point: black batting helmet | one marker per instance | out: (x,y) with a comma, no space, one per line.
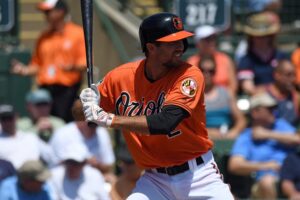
(162,27)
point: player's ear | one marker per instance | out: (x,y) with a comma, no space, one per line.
(150,47)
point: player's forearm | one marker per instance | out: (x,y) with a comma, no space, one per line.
(135,124)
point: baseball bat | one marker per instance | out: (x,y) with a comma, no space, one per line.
(87,22)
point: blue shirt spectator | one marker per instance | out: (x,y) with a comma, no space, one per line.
(252,67)
(263,150)
(255,68)
(30,183)
(6,169)
(243,6)
(11,190)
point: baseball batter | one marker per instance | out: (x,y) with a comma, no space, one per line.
(158,102)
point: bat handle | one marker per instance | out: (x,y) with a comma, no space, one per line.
(92,124)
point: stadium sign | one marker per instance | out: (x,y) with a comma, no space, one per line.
(7,15)
(195,13)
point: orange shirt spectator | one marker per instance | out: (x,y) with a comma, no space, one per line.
(223,67)
(58,59)
(56,53)
(205,41)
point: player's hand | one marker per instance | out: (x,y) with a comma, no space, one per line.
(94,113)
(90,95)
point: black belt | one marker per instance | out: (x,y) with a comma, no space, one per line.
(178,168)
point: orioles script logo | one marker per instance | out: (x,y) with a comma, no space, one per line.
(126,107)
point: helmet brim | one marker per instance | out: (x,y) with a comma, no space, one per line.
(175,36)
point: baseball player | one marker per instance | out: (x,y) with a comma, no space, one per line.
(158,102)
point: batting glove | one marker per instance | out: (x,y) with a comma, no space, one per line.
(94,113)
(90,95)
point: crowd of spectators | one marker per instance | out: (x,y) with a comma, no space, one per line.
(50,155)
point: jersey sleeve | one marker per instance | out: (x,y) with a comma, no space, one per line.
(187,91)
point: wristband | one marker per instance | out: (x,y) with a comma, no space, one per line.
(110,119)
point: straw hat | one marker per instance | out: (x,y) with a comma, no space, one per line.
(262,24)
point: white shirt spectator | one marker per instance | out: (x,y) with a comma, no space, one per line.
(22,147)
(99,145)
(90,186)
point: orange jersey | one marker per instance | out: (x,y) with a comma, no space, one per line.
(126,91)
(55,51)
(223,64)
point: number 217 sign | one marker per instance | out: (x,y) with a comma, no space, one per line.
(195,13)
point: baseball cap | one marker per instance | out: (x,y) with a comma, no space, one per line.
(262,24)
(77,152)
(6,110)
(52,4)
(262,99)
(34,170)
(204,31)
(38,96)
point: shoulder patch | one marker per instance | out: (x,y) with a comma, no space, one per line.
(189,87)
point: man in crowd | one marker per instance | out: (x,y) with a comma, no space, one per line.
(75,179)
(58,59)
(261,149)
(30,183)
(17,146)
(39,121)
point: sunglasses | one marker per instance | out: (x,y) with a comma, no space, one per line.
(6,118)
(210,38)
(42,104)
(208,71)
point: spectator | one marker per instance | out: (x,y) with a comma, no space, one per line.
(262,148)
(223,118)
(130,173)
(290,176)
(283,90)
(29,184)
(249,6)
(75,179)
(17,146)
(6,169)
(58,59)
(205,40)
(296,61)
(255,69)
(96,139)
(40,122)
